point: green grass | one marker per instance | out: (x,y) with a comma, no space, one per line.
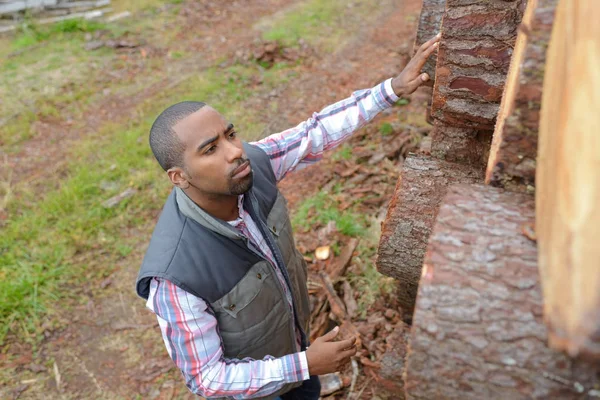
(315,21)
(30,34)
(386,129)
(322,208)
(49,244)
(344,153)
(46,71)
(368,281)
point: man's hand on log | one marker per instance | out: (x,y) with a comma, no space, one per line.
(325,356)
(411,77)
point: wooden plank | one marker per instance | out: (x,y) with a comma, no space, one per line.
(478,330)
(81,4)
(568,180)
(93,14)
(20,5)
(512,160)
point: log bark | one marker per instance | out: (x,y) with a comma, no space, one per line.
(568,181)
(461,145)
(410,218)
(473,61)
(478,331)
(513,155)
(430,23)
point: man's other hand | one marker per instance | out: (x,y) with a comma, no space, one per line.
(411,77)
(325,356)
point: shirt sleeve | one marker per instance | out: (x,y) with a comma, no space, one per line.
(190,334)
(304,144)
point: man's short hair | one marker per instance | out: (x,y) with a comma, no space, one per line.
(165,145)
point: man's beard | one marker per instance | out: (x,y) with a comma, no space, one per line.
(241,186)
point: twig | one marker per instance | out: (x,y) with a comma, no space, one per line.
(339,269)
(364,387)
(336,304)
(56,375)
(355,373)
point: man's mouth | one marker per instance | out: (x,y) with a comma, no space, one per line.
(241,171)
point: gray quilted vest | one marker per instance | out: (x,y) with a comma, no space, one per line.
(211,260)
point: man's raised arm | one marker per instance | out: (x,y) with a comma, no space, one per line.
(304,144)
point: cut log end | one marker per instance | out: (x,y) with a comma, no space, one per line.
(411,216)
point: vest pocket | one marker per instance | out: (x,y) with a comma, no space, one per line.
(249,287)
(254,318)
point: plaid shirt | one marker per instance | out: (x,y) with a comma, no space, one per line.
(189,328)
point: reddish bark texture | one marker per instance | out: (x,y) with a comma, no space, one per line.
(514,152)
(429,26)
(410,218)
(478,330)
(472,64)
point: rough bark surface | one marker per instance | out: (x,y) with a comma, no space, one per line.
(478,331)
(410,218)
(461,145)
(568,181)
(474,56)
(393,362)
(429,25)
(512,160)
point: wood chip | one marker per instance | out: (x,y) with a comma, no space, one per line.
(340,265)
(351,305)
(368,363)
(322,253)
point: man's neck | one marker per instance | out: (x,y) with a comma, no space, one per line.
(224,207)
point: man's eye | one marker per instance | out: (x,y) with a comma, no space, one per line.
(232,134)
(210,150)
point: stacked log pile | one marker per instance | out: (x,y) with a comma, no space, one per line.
(466,69)
(13,12)
(502,286)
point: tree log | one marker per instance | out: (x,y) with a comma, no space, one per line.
(410,218)
(461,145)
(474,56)
(478,331)
(430,22)
(513,155)
(568,181)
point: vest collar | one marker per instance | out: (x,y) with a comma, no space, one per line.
(192,211)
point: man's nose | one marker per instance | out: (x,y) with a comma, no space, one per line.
(234,152)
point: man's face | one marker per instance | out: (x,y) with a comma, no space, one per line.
(214,160)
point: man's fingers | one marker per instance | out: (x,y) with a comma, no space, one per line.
(329,336)
(422,57)
(418,81)
(428,44)
(346,344)
(348,353)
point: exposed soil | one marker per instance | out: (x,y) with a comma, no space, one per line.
(112,347)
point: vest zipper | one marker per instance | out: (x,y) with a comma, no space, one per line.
(279,259)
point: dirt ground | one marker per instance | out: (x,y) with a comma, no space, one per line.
(111,347)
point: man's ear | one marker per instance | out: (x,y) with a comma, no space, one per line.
(178,177)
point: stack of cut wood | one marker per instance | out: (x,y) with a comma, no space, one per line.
(51,11)
(502,286)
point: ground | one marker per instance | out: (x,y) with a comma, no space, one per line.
(76,104)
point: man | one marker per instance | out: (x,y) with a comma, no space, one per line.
(222,272)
